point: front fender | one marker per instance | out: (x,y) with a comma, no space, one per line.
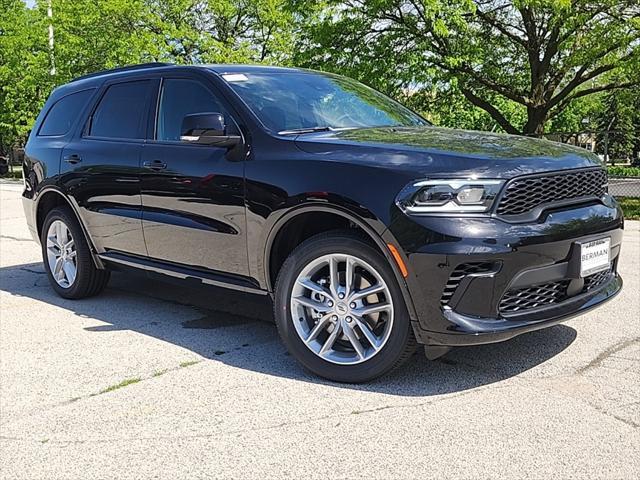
(369,224)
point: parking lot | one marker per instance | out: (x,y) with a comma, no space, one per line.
(159,380)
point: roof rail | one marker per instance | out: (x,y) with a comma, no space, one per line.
(140,66)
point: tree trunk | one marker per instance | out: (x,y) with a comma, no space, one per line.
(536,119)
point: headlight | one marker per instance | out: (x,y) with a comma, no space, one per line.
(456,196)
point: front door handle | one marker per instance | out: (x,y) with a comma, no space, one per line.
(73,158)
(156,165)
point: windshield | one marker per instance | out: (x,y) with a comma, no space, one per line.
(307,101)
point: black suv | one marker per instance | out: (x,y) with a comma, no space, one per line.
(372,230)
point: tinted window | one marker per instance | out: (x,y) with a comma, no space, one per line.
(120,113)
(285,101)
(64,113)
(182,97)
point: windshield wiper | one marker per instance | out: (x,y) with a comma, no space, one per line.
(305,130)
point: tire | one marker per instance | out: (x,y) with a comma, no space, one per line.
(393,335)
(88,279)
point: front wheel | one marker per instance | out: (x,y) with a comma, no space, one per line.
(340,311)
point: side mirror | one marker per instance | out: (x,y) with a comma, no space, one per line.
(206,129)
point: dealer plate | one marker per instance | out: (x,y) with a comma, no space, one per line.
(595,256)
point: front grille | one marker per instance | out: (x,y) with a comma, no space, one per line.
(459,273)
(534,296)
(547,293)
(525,194)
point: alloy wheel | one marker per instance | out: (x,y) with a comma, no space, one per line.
(342,309)
(61,254)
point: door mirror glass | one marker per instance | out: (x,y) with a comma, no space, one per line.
(206,129)
(195,126)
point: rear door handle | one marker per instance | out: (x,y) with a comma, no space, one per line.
(155,165)
(73,158)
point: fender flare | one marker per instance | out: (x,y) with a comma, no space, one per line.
(367,228)
(74,208)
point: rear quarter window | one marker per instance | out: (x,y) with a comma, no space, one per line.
(64,113)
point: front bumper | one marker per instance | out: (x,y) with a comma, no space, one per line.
(474,331)
(465,272)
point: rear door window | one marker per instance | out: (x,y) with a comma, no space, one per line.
(64,113)
(121,112)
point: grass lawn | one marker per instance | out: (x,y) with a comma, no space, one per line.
(630,207)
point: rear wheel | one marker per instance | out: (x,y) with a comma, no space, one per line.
(340,311)
(67,257)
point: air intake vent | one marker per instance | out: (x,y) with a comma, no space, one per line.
(595,280)
(550,293)
(535,296)
(459,273)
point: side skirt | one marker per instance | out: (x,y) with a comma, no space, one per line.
(182,272)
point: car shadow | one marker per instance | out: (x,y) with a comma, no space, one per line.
(237,329)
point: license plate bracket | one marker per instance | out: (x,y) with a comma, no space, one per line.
(595,256)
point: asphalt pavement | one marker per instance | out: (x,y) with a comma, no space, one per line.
(157,380)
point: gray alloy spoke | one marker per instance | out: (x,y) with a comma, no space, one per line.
(61,233)
(348,274)
(53,240)
(69,271)
(370,309)
(58,267)
(318,327)
(334,279)
(366,331)
(328,312)
(308,302)
(365,292)
(357,346)
(58,233)
(314,287)
(331,340)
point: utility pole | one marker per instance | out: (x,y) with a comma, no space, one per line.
(606,140)
(51,51)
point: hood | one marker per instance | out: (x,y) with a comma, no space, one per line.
(438,152)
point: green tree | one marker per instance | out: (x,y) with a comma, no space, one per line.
(579,116)
(615,126)
(24,82)
(92,35)
(224,30)
(635,154)
(528,57)
(444,104)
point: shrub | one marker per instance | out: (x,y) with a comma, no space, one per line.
(617,171)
